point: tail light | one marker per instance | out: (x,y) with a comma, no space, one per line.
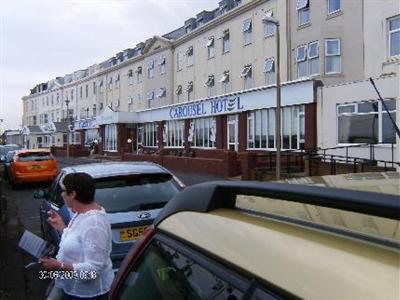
(130,260)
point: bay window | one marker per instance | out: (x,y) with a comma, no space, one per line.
(173,134)
(366,122)
(202,132)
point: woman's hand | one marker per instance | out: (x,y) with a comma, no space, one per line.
(55,221)
(50,264)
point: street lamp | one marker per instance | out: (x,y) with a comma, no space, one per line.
(278,97)
(67,119)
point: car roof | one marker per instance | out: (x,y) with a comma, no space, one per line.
(32,150)
(106,169)
(271,231)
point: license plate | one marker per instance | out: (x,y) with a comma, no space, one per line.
(131,234)
(36,167)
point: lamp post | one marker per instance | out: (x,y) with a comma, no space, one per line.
(278,97)
(67,119)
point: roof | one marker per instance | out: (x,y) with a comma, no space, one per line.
(34,129)
(61,126)
(331,237)
(105,169)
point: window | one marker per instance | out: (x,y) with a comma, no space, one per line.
(58,98)
(210,84)
(150,69)
(261,128)
(301,59)
(110,83)
(162,65)
(110,137)
(178,92)
(94,110)
(87,91)
(366,122)
(333,6)
(149,138)
(269,70)
(162,93)
(225,41)
(394,36)
(247,31)
(313,58)
(303,10)
(130,77)
(94,88)
(101,87)
(189,90)
(225,80)
(203,132)
(117,81)
(332,56)
(247,76)
(189,56)
(72,95)
(174,272)
(91,135)
(130,104)
(150,97)
(139,74)
(179,61)
(80,92)
(269,28)
(210,47)
(173,134)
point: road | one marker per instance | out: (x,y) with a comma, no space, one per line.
(23,213)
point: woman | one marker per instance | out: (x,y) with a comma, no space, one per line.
(82,268)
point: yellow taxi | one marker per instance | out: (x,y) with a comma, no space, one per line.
(32,166)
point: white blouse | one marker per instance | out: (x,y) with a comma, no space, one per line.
(86,244)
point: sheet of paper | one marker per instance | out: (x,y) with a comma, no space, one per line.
(34,245)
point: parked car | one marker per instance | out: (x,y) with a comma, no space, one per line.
(5,148)
(132,193)
(32,166)
(7,164)
(253,240)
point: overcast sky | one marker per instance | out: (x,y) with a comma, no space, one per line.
(43,39)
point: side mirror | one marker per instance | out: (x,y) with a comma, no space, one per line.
(40,194)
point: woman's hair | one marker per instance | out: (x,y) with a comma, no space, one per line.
(82,184)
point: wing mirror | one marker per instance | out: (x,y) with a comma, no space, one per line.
(40,194)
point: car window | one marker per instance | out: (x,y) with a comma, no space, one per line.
(54,194)
(135,192)
(34,156)
(173,275)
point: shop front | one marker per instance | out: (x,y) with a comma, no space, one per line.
(220,135)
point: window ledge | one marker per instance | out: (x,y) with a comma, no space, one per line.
(269,36)
(210,58)
(244,45)
(334,15)
(392,60)
(300,27)
(226,52)
(333,75)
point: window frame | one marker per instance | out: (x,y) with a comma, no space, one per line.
(174,133)
(247,33)
(380,113)
(226,42)
(390,32)
(210,48)
(334,11)
(313,58)
(301,10)
(339,54)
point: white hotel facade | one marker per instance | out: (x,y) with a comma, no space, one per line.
(207,90)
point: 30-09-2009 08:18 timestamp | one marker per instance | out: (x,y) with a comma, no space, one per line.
(85,275)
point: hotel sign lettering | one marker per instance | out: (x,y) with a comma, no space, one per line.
(206,108)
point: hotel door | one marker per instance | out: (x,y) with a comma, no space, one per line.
(232,132)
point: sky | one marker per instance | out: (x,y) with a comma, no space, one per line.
(44,39)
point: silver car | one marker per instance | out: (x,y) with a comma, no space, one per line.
(132,193)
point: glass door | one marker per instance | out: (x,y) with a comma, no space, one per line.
(232,132)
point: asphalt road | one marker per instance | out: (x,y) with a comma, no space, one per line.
(23,213)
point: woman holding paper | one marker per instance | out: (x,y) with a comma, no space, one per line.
(82,268)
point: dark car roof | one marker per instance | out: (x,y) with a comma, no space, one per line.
(106,169)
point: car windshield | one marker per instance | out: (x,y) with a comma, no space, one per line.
(134,192)
(34,156)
